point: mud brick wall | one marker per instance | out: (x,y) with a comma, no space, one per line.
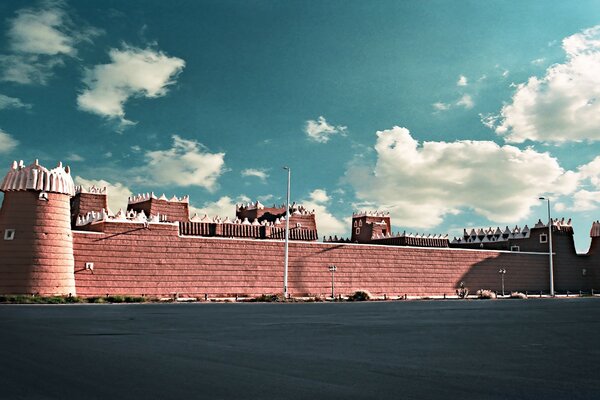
(83,203)
(131,259)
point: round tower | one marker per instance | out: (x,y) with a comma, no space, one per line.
(36,246)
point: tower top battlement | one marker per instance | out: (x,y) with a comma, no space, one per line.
(38,178)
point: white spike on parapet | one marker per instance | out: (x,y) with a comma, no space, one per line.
(92,190)
(36,177)
(376,213)
(147,196)
(91,217)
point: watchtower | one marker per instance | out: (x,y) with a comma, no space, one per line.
(36,246)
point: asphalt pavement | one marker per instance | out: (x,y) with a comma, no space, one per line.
(474,349)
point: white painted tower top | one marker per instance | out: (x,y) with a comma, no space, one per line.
(39,178)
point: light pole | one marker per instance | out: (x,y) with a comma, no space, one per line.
(332,268)
(287,234)
(550,246)
(502,272)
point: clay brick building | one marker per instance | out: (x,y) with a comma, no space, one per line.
(60,239)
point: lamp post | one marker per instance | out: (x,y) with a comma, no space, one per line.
(287,234)
(550,246)
(502,272)
(332,268)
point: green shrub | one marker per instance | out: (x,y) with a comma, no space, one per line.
(360,295)
(269,298)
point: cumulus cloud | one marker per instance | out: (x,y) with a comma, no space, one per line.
(186,163)
(117,192)
(258,173)
(421,183)
(439,106)
(223,207)
(132,72)
(327,223)
(74,157)
(562,105)
(39,39)
(12,102)
(466,101)
(41,31)
(7,142)
(320,131)
(462,81)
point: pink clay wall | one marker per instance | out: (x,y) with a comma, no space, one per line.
(129,259)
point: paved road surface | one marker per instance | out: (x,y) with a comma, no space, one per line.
(510,349)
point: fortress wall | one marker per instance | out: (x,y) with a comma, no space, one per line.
(574,272)
(83,203)
(129,259)
(174,210)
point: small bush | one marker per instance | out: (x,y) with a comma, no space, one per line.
(518,295)
(95,299)
(485,294)
(269,298)
(360,295)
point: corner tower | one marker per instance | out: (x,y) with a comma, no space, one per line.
(36,246)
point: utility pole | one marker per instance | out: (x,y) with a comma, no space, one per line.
(287,234)
(550,247)
(332,268)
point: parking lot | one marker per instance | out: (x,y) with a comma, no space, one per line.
(526,349)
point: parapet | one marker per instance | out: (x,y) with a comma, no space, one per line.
(173,209)
(142,197)
(38,178)
(128,216)
(370,214)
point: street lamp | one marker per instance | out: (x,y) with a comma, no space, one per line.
(287,234)
(550,246)
(332,268)
(502,272)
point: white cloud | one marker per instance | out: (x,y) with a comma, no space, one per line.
(41,31)
(421,183)
(12,102)
(7,142)
(439,106)
(39,39)
(584,200)
(465,101)
(223,207)
(462,81)
(320,131)
(27,69)
(538,61)
(74,157)
(505,73)
(187,163)
(258,173)
(117,192)
(562,105)
(327,223)
(132,72)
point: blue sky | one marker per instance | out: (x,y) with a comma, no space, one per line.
(448,114)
